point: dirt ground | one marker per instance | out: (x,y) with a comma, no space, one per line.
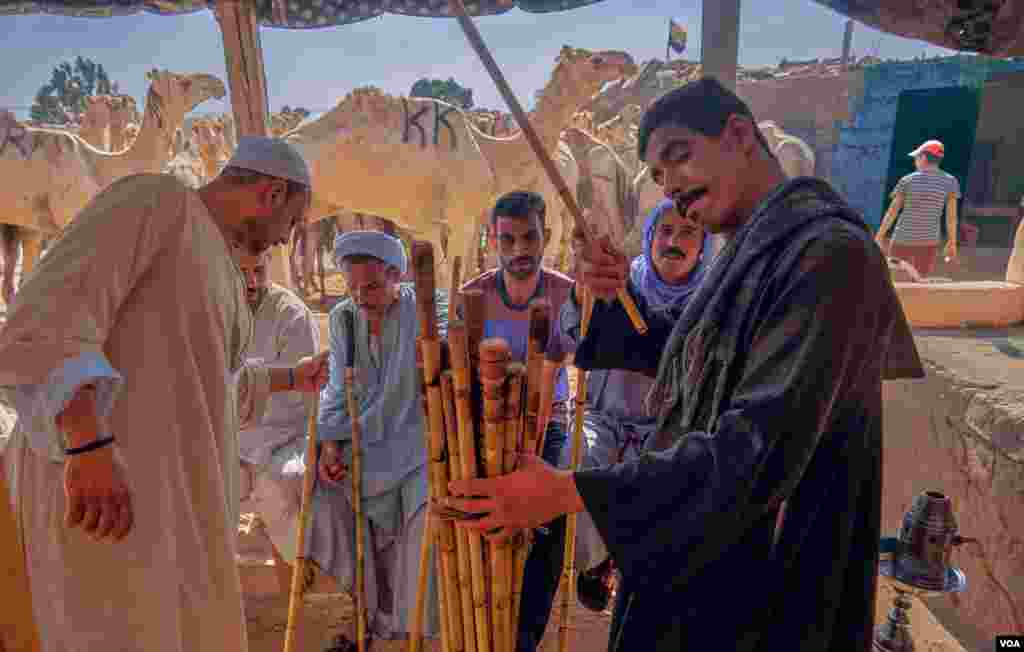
(322,618)
(326,614)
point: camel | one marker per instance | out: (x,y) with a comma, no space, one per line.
(106,121)
(795,156)
(604,178)
(50,175)
(423,164)
(284,121)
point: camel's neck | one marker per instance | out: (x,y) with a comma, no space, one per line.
(559,101)
(152,147)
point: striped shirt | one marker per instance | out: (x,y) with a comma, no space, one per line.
(924,201)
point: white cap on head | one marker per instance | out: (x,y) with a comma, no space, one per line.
(377,244)
(271,156)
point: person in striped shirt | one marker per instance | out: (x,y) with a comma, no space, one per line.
(918,201)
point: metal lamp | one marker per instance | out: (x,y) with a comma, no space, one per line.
(916,562)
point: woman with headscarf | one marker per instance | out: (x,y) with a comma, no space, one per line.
(677,253)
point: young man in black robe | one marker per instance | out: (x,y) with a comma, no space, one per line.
(768,392)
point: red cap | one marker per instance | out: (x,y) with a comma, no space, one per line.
(933,147)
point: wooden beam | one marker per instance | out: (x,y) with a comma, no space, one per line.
(720,39)
(247,81)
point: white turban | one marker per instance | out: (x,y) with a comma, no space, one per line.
(271,156)
(380,245)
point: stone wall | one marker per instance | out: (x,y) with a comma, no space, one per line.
(860,161)
(807,107)
(960,431)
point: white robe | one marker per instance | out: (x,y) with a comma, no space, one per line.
(143,280)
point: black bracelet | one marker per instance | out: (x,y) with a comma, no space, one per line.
(91,446)
(291,378)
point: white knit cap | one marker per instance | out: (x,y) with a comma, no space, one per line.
(271,156)
(378,244)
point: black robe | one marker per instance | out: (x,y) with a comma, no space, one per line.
(776,395)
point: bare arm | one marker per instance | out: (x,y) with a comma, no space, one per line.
(890,216)
(79,421)
(951,221)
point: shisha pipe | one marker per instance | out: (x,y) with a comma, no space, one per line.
(475,40)
(916,562)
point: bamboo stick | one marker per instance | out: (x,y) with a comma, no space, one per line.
(513,446)
(457,341)
(356,475)
(474,304)
(429,359)
(477,42)
(540,325)
(299,569)
(494,358)
(568,583)
(357,500)
(453,293)
(465,578)
(418,614)
(18,628)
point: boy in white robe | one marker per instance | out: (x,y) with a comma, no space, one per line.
(135,327)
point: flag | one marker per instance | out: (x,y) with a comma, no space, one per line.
(676,36)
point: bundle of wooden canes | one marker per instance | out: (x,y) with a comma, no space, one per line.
(482,412)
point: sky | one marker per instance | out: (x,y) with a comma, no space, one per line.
(316,68)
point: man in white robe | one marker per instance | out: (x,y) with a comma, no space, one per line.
(273,450)
(379,322)
(135,327)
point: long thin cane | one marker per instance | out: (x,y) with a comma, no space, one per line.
(301,562)
(569,565)
(18,629)
(356,473)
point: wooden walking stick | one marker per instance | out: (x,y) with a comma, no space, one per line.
(356,473)
(569,565)
(475,40)
(301,562)
(18,629)
(443,533)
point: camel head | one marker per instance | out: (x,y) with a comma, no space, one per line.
(172,96)
(592,70)
(582,120)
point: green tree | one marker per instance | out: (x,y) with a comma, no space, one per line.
(62,99)
(448,90)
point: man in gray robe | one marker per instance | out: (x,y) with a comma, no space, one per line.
(382,337)
(677,253)
(768,390)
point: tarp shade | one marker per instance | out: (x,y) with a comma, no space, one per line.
(983,26)
(289,14)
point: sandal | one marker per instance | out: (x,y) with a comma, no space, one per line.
(342,643)
(593,587)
